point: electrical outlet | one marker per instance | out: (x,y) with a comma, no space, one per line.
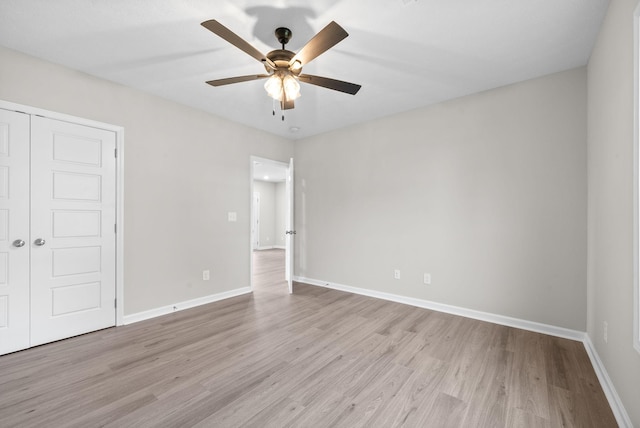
(206,275)
(605,328)
(427,278)
(396,273)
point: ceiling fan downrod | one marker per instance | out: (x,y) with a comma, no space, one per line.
(283,35)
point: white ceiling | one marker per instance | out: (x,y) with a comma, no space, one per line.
(405,53)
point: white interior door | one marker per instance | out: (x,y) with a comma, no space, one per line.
(73,186)
(290,229)
(14,231)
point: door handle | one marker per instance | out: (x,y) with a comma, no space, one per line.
(39,242)
(18,243)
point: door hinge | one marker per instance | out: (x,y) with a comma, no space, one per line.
(115,152)
(115,303)
(115,228)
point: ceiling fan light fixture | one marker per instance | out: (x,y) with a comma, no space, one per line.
(281,86)
(273,86)
(291,87)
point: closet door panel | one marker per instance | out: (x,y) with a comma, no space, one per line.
(14,230)
(72,227)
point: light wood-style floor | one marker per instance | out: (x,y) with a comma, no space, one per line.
(316,358)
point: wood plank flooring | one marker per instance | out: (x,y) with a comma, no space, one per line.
(317,358)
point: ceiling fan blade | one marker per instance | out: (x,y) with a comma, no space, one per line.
(220,30)
(238,79)
(325,82)
(328,37)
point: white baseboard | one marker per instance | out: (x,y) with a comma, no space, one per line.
(454,310)
(164,310)
(605,381)
(622,417)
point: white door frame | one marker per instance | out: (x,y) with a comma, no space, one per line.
(253,159)
(290,225)
(255,221)
(119,131)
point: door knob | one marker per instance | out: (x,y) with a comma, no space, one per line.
(39,242)
(18,243)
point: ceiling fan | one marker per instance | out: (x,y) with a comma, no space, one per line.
(283,67)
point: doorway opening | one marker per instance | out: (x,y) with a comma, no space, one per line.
(271,220)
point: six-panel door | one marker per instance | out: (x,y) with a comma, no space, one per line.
(57,237)
(14,231)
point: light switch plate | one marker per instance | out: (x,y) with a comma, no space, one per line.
(232,216)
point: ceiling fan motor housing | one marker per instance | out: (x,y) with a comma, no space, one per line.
(282,59)
(283,35)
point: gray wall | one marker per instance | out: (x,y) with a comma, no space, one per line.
(487,193)
(267,191)
(610,148)
(184,170)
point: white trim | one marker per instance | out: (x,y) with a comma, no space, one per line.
(636,177)
(607,386)
(120,227)
(58,116)
(187,304)
(454,310)
(620,413)
(119,131)
(255,219)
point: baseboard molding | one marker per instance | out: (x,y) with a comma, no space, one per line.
(454,310)
(622,417)
(187,304)
(617,407)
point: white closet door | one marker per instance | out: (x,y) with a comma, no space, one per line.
(73,184)
(14,229)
